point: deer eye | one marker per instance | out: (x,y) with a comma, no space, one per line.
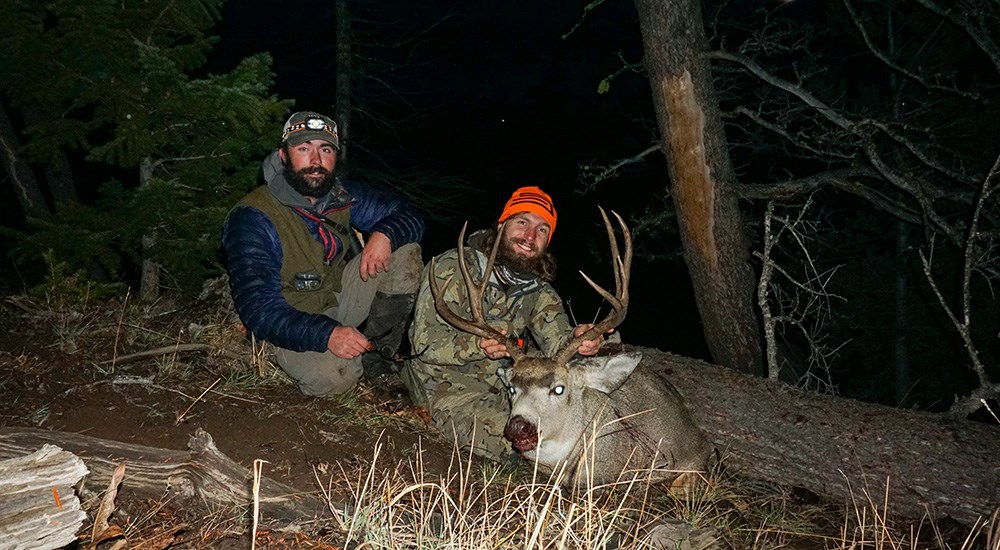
(558,390)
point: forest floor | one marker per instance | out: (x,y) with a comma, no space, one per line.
(68,369)
(109,367)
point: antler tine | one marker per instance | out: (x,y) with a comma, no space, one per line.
(477,325)
(476,306)
(626,264)
(619,302)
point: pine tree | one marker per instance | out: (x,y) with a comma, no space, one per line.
(124,83)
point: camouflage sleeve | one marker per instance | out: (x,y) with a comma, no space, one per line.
(550,325)
(432,337)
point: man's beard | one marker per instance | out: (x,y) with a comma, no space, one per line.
(308,188)
(517,263)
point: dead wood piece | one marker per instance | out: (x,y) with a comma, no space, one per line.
(841,448)
(170,350)
(202,477)
(102,529)
(39,507)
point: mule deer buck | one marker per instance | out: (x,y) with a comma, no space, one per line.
(600,418)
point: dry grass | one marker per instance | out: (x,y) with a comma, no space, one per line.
(485,507)
(472,506)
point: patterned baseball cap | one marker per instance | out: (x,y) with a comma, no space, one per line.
(306,126)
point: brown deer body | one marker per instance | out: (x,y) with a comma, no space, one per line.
(597,419)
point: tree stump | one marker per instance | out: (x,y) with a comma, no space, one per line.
(39,507)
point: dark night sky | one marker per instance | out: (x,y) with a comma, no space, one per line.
(510,103)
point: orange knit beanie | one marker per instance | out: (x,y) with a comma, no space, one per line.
(534,200)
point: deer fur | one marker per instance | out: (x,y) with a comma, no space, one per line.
(599,420)
(596,419)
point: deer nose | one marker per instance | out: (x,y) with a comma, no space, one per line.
(522,434)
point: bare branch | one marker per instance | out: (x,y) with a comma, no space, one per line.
(781,131)
(828,112)
(962,320)
(863,131)
(592,173)
(885,59)
(979,33)
(800,301)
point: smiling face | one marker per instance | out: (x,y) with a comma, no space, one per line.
(526,235)
(309,166)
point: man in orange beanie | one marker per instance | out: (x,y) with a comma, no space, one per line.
(454,374)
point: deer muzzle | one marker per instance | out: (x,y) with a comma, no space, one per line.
(521,433)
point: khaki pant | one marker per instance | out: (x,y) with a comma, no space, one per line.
(323,373)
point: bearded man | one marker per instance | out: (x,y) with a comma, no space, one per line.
(299,277)
(454,374)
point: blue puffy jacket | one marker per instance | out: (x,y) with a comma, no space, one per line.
(254,256)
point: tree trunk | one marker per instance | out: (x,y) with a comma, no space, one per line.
(58,175)
(29,194)
(840,448)
(342,108)
(702,180)
(149,281)
(900,321)
(203,475)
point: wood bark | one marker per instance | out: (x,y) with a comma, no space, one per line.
(345,55)
(39,507)
(841,448)
(702,180)
(19,173)
(58,174)
(201,477)
(149,280)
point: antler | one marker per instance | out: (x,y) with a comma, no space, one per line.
(619,302)
(477,325)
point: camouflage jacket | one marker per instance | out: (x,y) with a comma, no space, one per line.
(532,309)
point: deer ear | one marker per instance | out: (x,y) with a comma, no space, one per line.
(606,373)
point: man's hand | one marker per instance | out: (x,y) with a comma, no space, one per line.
(588,347)
(348,343)
(494,349)
(375,256)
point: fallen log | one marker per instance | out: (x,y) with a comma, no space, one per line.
(201,477)
(39,507)
(841,448)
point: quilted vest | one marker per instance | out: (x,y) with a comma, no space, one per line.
(308,282)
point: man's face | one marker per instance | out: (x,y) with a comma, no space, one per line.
(525,237)
(309,167)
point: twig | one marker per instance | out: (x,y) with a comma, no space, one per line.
(181,416)
(118,330)
(258,467)
(168,350)
(990,409)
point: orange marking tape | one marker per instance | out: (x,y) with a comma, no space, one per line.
(55,493)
